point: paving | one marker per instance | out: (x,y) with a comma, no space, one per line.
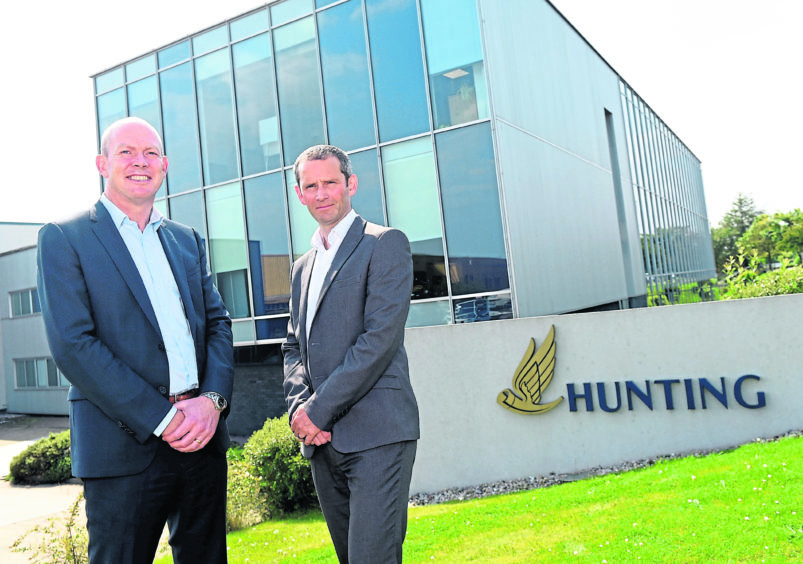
(24,507)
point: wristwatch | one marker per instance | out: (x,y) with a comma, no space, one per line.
(219,401)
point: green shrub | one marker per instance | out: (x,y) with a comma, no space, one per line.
(245,505)
(285,478)
(46,461)
(63,539)
(747,279)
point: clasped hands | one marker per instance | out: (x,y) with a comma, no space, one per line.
(193,425)
(306,431)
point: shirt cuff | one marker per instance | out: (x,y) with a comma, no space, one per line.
(165,422)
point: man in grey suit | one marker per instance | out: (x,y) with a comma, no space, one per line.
(137,327)
(346,378)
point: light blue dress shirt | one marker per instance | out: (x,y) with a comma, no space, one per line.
(148,254)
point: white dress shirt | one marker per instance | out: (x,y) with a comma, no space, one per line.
(323,261)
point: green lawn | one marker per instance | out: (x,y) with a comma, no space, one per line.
(743,505)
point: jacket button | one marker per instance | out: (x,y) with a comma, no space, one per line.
(162,347)
(163,390)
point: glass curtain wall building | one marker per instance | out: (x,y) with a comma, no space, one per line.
(452,134)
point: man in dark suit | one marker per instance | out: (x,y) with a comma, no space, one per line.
(346,378)
(137,327)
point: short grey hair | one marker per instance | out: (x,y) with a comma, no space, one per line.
(321,153)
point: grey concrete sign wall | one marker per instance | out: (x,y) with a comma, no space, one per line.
(634,384)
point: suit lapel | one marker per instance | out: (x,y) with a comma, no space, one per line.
(173,253)
(112,241)
(350,242)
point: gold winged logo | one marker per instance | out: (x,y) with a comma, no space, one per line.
(533,375)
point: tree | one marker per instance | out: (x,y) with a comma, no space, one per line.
(774,237)
(735,224)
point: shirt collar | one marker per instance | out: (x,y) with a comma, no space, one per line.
(119,217)
(336,235)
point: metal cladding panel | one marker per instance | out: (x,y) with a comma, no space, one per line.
(549,100)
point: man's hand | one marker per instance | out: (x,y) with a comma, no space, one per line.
(193,426)
(306,431)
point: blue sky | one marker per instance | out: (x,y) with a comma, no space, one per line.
(722,74)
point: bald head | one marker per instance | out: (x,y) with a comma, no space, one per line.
(108,134)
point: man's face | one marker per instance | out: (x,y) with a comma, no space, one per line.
(134,167)
(325,191)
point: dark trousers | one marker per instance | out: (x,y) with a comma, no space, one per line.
(363,496)
(126,515)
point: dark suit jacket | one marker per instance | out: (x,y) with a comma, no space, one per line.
(351,371)
(104,337)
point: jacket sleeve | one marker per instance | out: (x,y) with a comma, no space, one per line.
(296,382)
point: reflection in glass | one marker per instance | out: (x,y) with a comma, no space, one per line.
(401,99)
(108,80)
(471,212)
(242,331)
(273,328)
(180,131)
(111,107)
(302,224)
(143,102)
(249,25)
(256,105)
(174,54)
(288,10)
(216,113)
(368,200)
(299,87)
(483,308)
(412,201)
(227,248)
(140,68)
(454,60)
(268,247)
(425,314)
(189,210)
(209,40)
(346,81)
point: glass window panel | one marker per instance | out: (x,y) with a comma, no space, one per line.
(52,374)
(302,224)
(143,102)
(109,80)
(243,331)
(62,380)
(346,81)
(37,307)
(256,105)
(249,25)
(111,107)
(323,3)
(227,248)
(424,314)
(399,87)
(471,212)
(268,247)
(289,10)
(189,210)
(275,328)
(180,129)
(299,88)
(216,113)
(19,370)
(412,201)
(16,304)
(174,54)
(209,40)
(454,61)
(368,200)
(140,68)
(483,308)
(30,374)
(41,372)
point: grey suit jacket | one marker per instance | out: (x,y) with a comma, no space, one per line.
(104,337)
(351,372)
